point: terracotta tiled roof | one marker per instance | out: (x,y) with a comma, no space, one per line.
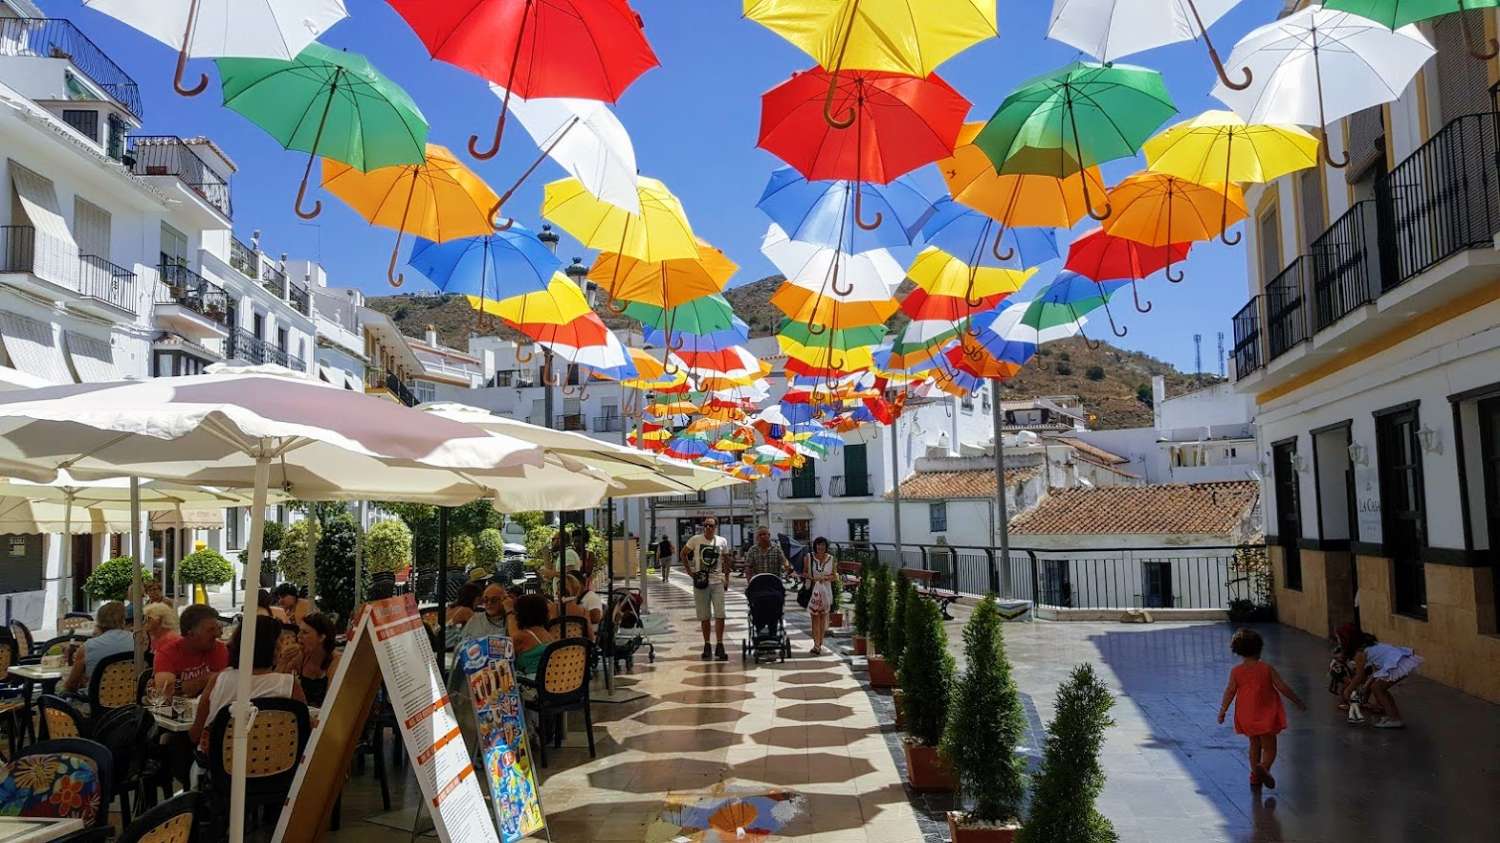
(1092,452)
(943,485)
(1206,508)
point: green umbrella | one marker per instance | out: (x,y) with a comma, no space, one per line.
(1080,116)
(705,315)
(843,339)
(328,103)
(1398,13)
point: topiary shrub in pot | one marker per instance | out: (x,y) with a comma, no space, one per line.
(895,642)
(882,675)
(861,608)
(336,544)
(388,547)
(489,549)
(1062,802)
(927,677)
(299,553)
(204,567)
(985,724)
(112,579)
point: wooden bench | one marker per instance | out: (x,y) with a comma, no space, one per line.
(849,576)
(927,586)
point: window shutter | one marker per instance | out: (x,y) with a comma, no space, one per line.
(1366,144)
(91,228)
(1314,210)
(1463,82)
(1268,239)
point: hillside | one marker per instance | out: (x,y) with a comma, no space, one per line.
(1119,397)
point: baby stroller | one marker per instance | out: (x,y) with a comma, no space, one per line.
(768,640)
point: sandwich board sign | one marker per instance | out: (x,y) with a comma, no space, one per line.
(389,641)
(489,665)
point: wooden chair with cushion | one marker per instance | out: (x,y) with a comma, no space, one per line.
(24,642)
(53,647)
(169,822)
(60,719)
(112,686)
(15,705)
(561,685)
(67,778)
(277,738)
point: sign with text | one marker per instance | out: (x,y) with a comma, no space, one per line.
(489,665)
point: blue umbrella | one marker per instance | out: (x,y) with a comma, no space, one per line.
(493,266)
(970,236)
(685,341)
(822,212)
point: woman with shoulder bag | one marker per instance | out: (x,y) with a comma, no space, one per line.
(821,572)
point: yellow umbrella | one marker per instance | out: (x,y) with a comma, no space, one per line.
(1220,147)
(666,283)
(439,199)
(660,232)
(828,357)
(1015,199)
(827,310)
(559,304)
(941,274)
(910,37)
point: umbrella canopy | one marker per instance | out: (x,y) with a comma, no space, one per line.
(327,103)
(822,212)
(700,316)
(667,283)
(273,29)
(827,287)
(1011,335)
(539,48)
(1015,199)
(903,36)
(982,241)
(1219,146)
(493,266)
(559,304)
(942,274)
(1101,256)
(1069,296)
(660,232)
(1158,209)
(1317,65)
(439,199)
(585,138)
(1109,29)
(737,334)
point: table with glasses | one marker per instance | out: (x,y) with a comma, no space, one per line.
(28,830)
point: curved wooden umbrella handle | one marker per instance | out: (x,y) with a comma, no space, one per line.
(1491,49)
(1175,279)
(317,207)
(495,212)
(859,213)
(844,120)
(1135,291)
(816,329)
(995,248)
(1213,55)
(1322,118)
(549,376)
(390,271)
(1119,330)
(833,282)
(530,356)
(616,306)
(494,149)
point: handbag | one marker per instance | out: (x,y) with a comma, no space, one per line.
(804,593)
(700,579)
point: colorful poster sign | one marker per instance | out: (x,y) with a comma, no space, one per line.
(489,665)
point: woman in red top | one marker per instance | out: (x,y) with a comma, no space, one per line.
(1256,689)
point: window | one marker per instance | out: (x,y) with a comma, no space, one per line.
(1156,584)
(859,529)
(174,246)
(1403,506)
(115,142)
(232,528)
(258,326)
(1314,216)
(91,228)
(505,378)
(1057,583)
(856,471)
(937,517)
(281,337)
(85,121)
(425,391)
(1288,510)
(1268,240)
(802,529)
(1489,455)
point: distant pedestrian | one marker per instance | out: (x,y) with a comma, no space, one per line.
(822,571)
(1256,689)
(664,556)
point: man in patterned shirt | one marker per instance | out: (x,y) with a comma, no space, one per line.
(765,557)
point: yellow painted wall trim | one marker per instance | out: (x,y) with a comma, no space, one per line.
(1401,333)
(1422,120)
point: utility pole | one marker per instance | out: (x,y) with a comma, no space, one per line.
(1198,358)
(896,483)
(550,239)
(998,421)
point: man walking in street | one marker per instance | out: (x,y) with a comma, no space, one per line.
(765,557)
(706,557)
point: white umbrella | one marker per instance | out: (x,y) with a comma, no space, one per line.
(244,430)
(268,29)
(585,138)
(1315,66)
(867,276)
(1109,29)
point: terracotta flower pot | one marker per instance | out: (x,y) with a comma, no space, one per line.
(899,698)
(960,833)
(835,620)
(881,673)
(926,770)
(859,645)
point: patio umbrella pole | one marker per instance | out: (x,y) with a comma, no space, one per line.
(63,599)
(896,485)
(442,589)
(137,586)
(243,713)
(359,555)
(1004,517)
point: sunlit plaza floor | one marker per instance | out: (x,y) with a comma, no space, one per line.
(805,749)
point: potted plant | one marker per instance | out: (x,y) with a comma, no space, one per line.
(299,547)
(202,568)
(337,540)
(862,608)
(882,674)
(489,549)
(895,643)
(835,611)
(388,547)
(112,579)
(270,546)
(927,676)
(985,724)
(461,553)
(1062,803)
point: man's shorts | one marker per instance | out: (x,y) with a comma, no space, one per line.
(710,601)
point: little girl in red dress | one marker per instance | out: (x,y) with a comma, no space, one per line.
(1256,689)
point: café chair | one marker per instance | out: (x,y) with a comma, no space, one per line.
(81,623)
(15,706)
(53,647)
(65,778)
(127,731)
(277,737)
(24,642)
(561,685)
(112,686)
(61,719)
(170,822)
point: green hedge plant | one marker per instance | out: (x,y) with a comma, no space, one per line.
(205,567)
(986,724)
(297,559)
(895,637)
(335,565)
(879,604)
(112,579)
(1062,803)
(862,599)
(489,549)
(926,673)
(388,547)
(461,553)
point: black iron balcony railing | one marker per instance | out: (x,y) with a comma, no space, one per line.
(381,379)
(182,286)
(246,346)
(55,38)
(609,424)
(273,278)
(1247,356)
(1286,307)
(571,421)
(300,299)
(244,259)
(799,487)
(169,155)
(850,486)
(106,282)
(1344,259)
(692,499)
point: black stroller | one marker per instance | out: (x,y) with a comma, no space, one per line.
(768,640)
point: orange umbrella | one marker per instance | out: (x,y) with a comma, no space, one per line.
(1155,209)
(1015,200)
(665,284)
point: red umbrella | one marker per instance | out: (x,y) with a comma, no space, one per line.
(1101,256)
(920,304)
(592,49)
(898,123)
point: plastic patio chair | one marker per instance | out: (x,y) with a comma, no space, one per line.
(63,778)
(561,685)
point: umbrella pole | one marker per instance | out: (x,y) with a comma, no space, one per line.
(182,56)
(505,197)
(390,272)
(242,712)
(359,555)
(896,484)
(136,577)
(510,82)
(997,419)
(609,561)
(63,600)
(442,589)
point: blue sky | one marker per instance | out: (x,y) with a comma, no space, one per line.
(694,121)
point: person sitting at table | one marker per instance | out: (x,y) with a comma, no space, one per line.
(531,635)
(265,681)
(110,638)
(494,620)
(289,599)
(154,593)
(266,607)
(160,626)
(581,601)
(183,666)
(314,658)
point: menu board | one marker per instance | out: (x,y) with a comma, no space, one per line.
(489,665)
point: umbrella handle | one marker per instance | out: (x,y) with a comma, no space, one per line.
(495,212)
(816,329)
(616,306)
(678,342)
(843,121)
(1135,291)
(1224,237)
(530,356)
(549,376)
(494,149)
(859,213)
(1119,330)
(833,282)
(317,207)
(1175,279)
(1213,55)
(396,279)
(1322,119)
(182,57)
(995,247)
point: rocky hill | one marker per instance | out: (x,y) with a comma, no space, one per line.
(1113,383)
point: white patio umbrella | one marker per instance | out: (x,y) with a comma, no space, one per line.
(868,276)
(585,138)
(268,29)
(1109,29)
(1315,66)
(258,430)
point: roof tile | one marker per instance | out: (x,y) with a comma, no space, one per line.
(1206,508)
(943,485)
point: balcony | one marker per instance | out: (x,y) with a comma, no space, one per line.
(609,424)
(190,304)
(693,499)
(243,345)
(793,488)
(106,283)
(244,259)
(97,283)
(168,155)
(54,38)
(1427,239)
(274,280)
(381,382)
(300,299)
(571,421)
(847,486)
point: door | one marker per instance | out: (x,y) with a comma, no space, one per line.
(173,246)
(1352,505)
(1057,584)
(1288,511)
(83,565)
(259,326)
(1157,585)
(856,472)
(1489,454)
(1403,507)
(805,480)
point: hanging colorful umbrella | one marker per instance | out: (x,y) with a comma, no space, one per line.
(1395,14)
(1021,199)
(535,48)
(1082,115)
(1109,29)
(700,316)
(942,274)
(984,242)
(822,212)
(1070,296)
(561,303)
(737,334)
(1013,334)
(439,199)
(829,287)
(490,267)
(204,29)
(1156,209)
(1102,257)
(660,232)
(845,349)
(362,118)
(661,284)
(1317,65)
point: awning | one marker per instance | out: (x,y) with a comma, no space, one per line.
(187,519)
(32,348)
(354,382)
(93,359)
(54,251)
(328,374)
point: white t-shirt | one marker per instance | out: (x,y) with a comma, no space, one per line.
(706,554)
(591,602)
